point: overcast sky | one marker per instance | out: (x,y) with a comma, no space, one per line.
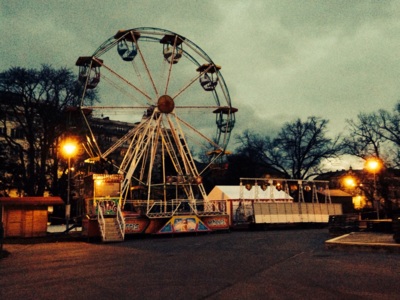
(280,59)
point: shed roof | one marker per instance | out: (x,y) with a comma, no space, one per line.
(335,193)
(31,201)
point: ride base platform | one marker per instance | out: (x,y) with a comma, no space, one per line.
(136,224)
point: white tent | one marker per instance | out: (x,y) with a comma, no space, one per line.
(268,207)
(233,192)
(238,201)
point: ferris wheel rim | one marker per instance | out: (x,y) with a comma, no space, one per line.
(157,149)
(155,30)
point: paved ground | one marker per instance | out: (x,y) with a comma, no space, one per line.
(280,264)
(365,241)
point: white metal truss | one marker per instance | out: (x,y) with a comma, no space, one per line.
(298,185)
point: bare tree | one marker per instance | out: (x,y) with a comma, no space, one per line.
(363,141)
(375,134)
(32,119)
(389,125)
(298,149)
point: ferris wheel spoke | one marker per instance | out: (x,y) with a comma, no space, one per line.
(131,94)
(168,77)
(205,138)
(139,76)
(193,80)
(184,88)
(124,80)
(128,53)
(149,74)
(171,62)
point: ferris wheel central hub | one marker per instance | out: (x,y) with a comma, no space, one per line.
(165,104)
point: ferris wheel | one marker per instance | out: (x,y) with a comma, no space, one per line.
(180,104)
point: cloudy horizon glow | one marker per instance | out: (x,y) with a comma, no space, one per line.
(281,60)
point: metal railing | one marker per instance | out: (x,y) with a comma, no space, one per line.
(121,222)
(102,222)
(161,209)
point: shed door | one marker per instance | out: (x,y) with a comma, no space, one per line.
(28,223)
(13,222)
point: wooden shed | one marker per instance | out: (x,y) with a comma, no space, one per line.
(339,196)
(26,216)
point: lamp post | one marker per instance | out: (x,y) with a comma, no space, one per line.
(69,150)
(374,165)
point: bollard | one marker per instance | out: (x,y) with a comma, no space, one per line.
(1,239)
(396,227)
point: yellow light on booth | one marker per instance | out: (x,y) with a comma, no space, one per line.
(359,202)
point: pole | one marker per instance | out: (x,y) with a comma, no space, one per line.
(67,207)
(376,198)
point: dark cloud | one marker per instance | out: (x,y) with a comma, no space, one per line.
(280,59)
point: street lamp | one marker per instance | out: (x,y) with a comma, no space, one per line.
(349,182)
(373,165)
(69,149)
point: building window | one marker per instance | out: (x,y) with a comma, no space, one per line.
(17,133)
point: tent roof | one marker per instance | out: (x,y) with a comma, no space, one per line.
(224,192)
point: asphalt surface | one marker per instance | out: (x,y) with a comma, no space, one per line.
(365,241)
(276,264)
